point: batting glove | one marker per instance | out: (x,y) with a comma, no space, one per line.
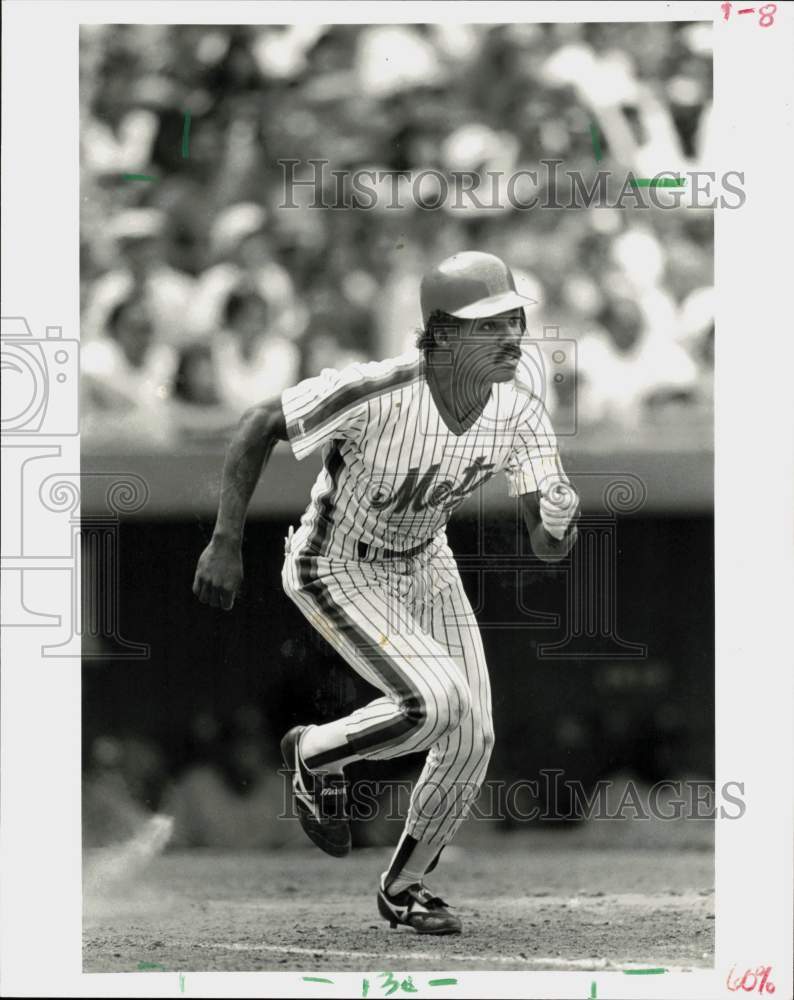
(558,507)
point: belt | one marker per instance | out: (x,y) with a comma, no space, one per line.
(371,552)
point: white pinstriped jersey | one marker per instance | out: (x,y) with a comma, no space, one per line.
(393,472)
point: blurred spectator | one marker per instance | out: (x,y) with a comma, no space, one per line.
(240,247)
(196,407)
(623,367)
(196,381)
(126,378)
(697,335)
(235,799)
(340,332)
(140,270)
(391,58)
(252,361)
(119,133)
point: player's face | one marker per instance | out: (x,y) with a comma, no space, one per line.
(493,344)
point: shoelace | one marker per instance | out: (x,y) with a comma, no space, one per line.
(427,899)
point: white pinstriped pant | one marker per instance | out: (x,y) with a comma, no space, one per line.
(407,627)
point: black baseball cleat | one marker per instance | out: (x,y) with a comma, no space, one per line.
(320,800)
(418,908)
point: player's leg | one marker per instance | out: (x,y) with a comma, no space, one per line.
(456,765)
(425,694)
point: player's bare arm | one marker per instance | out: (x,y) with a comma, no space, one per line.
(551,521)
(219,573)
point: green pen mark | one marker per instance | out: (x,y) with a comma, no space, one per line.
(643,972)
(593,991)
(186,136)
(315,979)
(138,177)
(442,982)
(658,182)
(142,966)
(596,140)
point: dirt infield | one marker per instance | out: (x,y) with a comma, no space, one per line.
(527,902)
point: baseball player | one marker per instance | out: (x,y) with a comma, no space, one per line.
(404,442)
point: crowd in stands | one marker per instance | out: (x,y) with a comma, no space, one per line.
(201,294)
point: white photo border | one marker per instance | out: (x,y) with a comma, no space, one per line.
(754,500)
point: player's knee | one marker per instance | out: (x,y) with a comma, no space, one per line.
(449,706)
(418,712)
(465,701)
(478,743)
(458,699)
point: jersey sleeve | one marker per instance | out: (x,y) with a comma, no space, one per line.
(534,464)
(326,407)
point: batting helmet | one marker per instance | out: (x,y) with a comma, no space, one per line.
(470,285)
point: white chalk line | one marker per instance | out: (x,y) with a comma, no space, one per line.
(656,900)
(544,962)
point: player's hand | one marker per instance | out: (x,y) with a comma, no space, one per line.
(558,508)
(219,574)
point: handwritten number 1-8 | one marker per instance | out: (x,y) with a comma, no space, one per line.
(766,14)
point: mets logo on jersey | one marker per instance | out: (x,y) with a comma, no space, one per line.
(417,491)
